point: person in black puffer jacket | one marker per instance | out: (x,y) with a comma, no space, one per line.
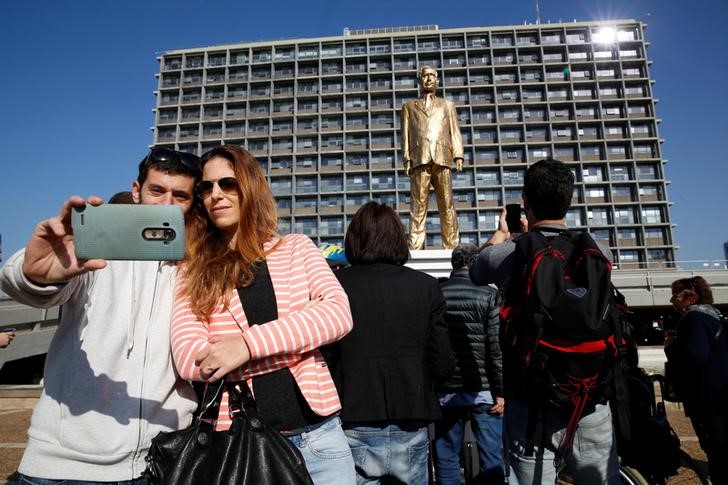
(475,389)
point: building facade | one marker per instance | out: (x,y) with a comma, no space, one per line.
(321,115)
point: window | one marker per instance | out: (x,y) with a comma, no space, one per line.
(586,112)
(619,173)
(606,72)
(637,111)
(591,151)
(510,135)
(383,181)
(593,174)
(649,191)
(621,193)
(647,172)
(487,177)
(623,216)
(615,131)
(332,184)
(640,129)
(598,216)
(306,185)
(306,143)
(281,186)
(462,179)
(644,150)
(490,195)
(564,153)
(655,233)
(651,215)
(574,217)
(513,177)
(357,182)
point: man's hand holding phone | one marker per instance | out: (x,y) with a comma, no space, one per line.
(514,224)
(50,255)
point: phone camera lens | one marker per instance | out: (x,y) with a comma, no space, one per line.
(168,234)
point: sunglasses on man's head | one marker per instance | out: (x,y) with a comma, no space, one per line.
(162,154)
(228,185)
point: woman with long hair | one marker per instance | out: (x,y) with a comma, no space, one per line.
(257,306)
(386,367)
(699,354)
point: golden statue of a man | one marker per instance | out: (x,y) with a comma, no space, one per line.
(432,146)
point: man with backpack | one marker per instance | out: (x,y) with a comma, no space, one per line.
(558,337)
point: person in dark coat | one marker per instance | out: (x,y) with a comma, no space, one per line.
(699,354)
(386,368)
(474,391)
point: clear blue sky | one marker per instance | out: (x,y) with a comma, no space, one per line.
(78,76)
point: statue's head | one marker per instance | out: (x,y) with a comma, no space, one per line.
(427,78)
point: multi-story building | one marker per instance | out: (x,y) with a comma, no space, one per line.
(321,115)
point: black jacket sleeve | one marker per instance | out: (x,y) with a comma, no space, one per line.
(440,358)
(494,355)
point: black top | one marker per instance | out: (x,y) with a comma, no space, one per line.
(385,368)
(473,324)
(280,402)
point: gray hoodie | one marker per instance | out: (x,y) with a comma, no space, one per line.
(109,381)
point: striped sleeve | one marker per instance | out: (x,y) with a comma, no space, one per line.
(188,335)
(322,318)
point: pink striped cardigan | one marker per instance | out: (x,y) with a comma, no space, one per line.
(299,274)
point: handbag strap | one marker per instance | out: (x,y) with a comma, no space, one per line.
(241,400)
(211,406)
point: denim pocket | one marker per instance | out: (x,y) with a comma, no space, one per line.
(329,441)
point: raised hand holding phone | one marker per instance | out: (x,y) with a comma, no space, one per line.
(513,218)
(50,254)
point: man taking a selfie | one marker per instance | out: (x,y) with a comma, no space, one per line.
(109,382)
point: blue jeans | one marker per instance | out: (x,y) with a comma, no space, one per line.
(326,453)
(399,452)
(488,431)
(592,459)
(26,480)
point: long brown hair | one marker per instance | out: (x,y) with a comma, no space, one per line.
(213,269)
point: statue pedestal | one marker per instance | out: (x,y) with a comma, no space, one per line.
(435,262)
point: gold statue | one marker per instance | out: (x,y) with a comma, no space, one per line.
(431,145)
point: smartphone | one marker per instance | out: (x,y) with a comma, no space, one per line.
(129,232)
(9,329)
(513,217)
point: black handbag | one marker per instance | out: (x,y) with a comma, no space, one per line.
(250,452)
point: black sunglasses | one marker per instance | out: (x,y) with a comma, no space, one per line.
(228,185)
(162,154)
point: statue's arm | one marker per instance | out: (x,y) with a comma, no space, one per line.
(406,158)
(456,138)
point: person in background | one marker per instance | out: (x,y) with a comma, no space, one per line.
(124,197)
(699,354)
(386,368)
(257,306)
(6,336)
(109,382)
(474,391)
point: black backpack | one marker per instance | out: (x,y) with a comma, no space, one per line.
(562,332)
